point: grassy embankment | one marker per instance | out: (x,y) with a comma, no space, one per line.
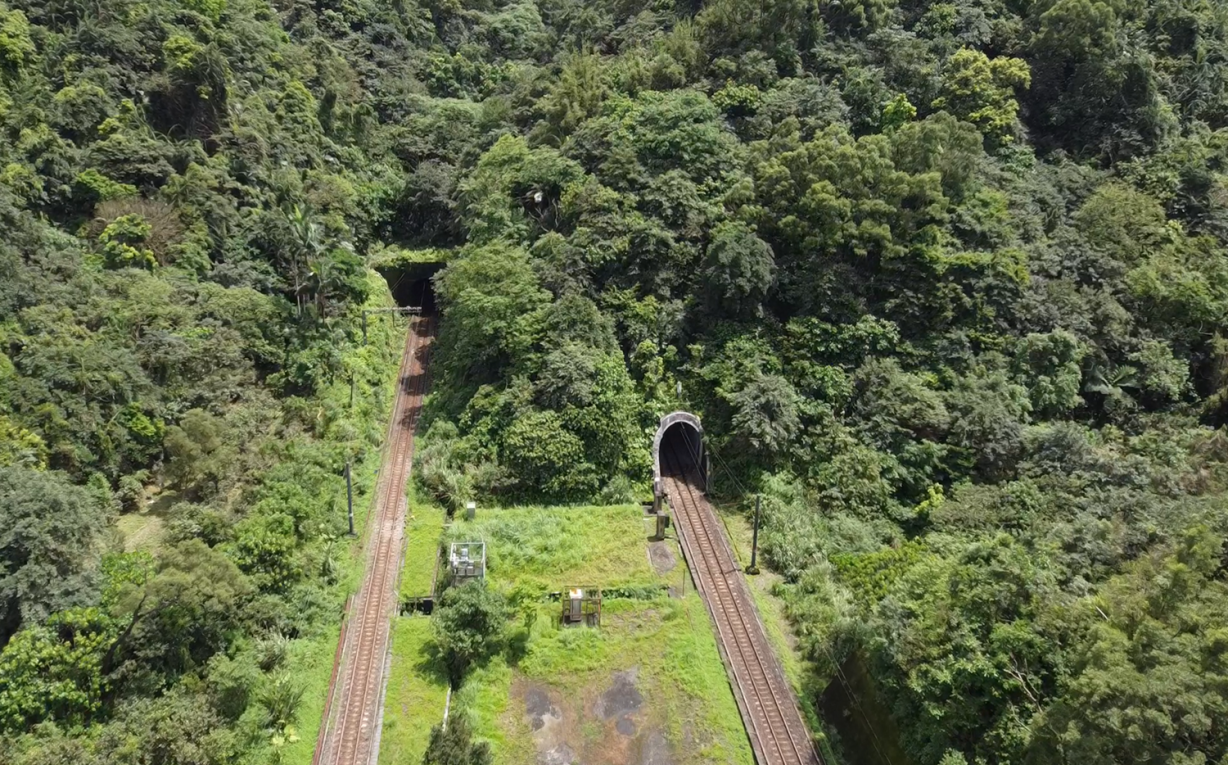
(868,730)
(375,368)
(667,641)
(417,685)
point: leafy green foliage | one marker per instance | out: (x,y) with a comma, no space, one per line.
(739,270)
(1146,678)
(945,281)
(454,745)
(51,530)
(1049,367)
(469,626)
(981,91)
(54,670)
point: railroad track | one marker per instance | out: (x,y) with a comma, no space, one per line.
(349,734)
(777,731)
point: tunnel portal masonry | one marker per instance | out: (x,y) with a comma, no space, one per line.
(682,425)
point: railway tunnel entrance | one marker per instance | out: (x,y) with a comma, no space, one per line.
(410,275)
(769,709)
(678,447)
(412,284)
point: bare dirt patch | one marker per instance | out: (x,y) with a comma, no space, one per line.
(606,728)
(551,732)
(622,699)
(654,749)
(661,556)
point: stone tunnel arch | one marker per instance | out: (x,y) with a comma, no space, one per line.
(693,429)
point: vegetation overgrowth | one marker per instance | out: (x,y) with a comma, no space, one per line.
(946,281)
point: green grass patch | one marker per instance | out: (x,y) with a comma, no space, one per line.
(311,661)
(487,699)
(141,531)
(552,548)
(417,691)
(668,642)
(423,529)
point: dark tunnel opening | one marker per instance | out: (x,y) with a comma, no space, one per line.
(682,450)
(412,285)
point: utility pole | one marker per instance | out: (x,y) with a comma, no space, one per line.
(349,496)
(754,542)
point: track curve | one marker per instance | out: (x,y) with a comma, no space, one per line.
(778,733)
(350,732)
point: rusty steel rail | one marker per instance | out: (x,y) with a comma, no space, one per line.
(774,723)
(349,734)
(332,681)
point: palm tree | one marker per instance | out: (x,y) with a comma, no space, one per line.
(305,245)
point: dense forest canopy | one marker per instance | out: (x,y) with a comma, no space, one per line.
(947,282)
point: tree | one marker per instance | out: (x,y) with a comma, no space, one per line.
(900,414)
(454,745)
(514,191)
(265,548)
(1126,223)
(837,205)
(469,625)
(53,671)
(987,417)
(765,414)
(1091,91)
(969,656)
(738,270)
(177,728)
(16,48)
(1162,377)
(546,459)
(576,96)
(194,447)
(895,406)
(123,243)
(49,529)
(494,305)
(982,91)
(782,29)
(593,393)
(21,447)
(178,617)
(1149,683)
(1049,366)
(857,16)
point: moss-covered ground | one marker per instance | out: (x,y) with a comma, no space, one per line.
(658,634)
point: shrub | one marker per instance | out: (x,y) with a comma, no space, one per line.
(454,745)
(469,626)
